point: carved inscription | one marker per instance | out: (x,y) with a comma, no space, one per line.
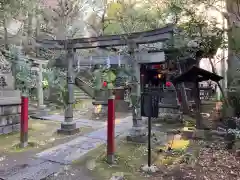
(3,82)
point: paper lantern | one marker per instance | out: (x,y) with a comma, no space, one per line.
(104,83)
(168,84)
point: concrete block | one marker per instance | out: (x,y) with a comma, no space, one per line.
(8,109)
(16,127)
(10,120)
(7,129)
(3,120)
(16,118)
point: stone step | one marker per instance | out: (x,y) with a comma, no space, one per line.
(78,94)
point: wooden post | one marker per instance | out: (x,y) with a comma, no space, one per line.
(198,106)
(111,130)
(24,122)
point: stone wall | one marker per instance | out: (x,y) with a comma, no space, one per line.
(10,100)
(10,118)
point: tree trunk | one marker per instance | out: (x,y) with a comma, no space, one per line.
(183,93)
(219,85)
(5,34)
(37,31)
(198,106)
(29,44)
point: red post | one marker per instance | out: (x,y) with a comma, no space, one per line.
(24,122)
(111,130)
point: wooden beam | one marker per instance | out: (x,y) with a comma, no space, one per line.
(153,36)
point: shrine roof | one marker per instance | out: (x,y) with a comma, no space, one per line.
(199,74)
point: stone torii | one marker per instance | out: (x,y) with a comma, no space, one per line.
(132,41)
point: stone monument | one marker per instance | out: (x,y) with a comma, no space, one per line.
(169,107)
(10,99)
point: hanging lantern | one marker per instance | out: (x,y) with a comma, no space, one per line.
(104,84)
(159,76)
(168,84)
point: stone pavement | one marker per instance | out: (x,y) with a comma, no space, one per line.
(54,159)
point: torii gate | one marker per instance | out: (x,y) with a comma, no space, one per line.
(131,40)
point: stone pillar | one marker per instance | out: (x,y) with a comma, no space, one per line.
(42,110)
(40,88)
(138,131)
(69,126)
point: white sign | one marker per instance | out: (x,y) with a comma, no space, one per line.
(151,57)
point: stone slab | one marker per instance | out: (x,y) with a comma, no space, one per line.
(37,172)
(91,123)
(75,149)
(67,153)
(12,170)
(99,134)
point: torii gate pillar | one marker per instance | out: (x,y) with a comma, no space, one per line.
(138,131)
(69,126)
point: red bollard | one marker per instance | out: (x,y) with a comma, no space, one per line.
(111,130)
(24,122)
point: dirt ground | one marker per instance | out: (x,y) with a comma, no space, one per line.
(212,163)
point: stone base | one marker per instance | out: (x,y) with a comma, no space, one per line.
(170,118)
(201,134)
(196,134)
(110,159)
(68,129)
(138,135)
(122,106)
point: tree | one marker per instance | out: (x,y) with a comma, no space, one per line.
(10,9)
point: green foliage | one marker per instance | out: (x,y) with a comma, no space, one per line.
(101,75)
(25,79)
(128,17)
(57,81)
(97,79)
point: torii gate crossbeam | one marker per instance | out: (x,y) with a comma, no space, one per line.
(147,37)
